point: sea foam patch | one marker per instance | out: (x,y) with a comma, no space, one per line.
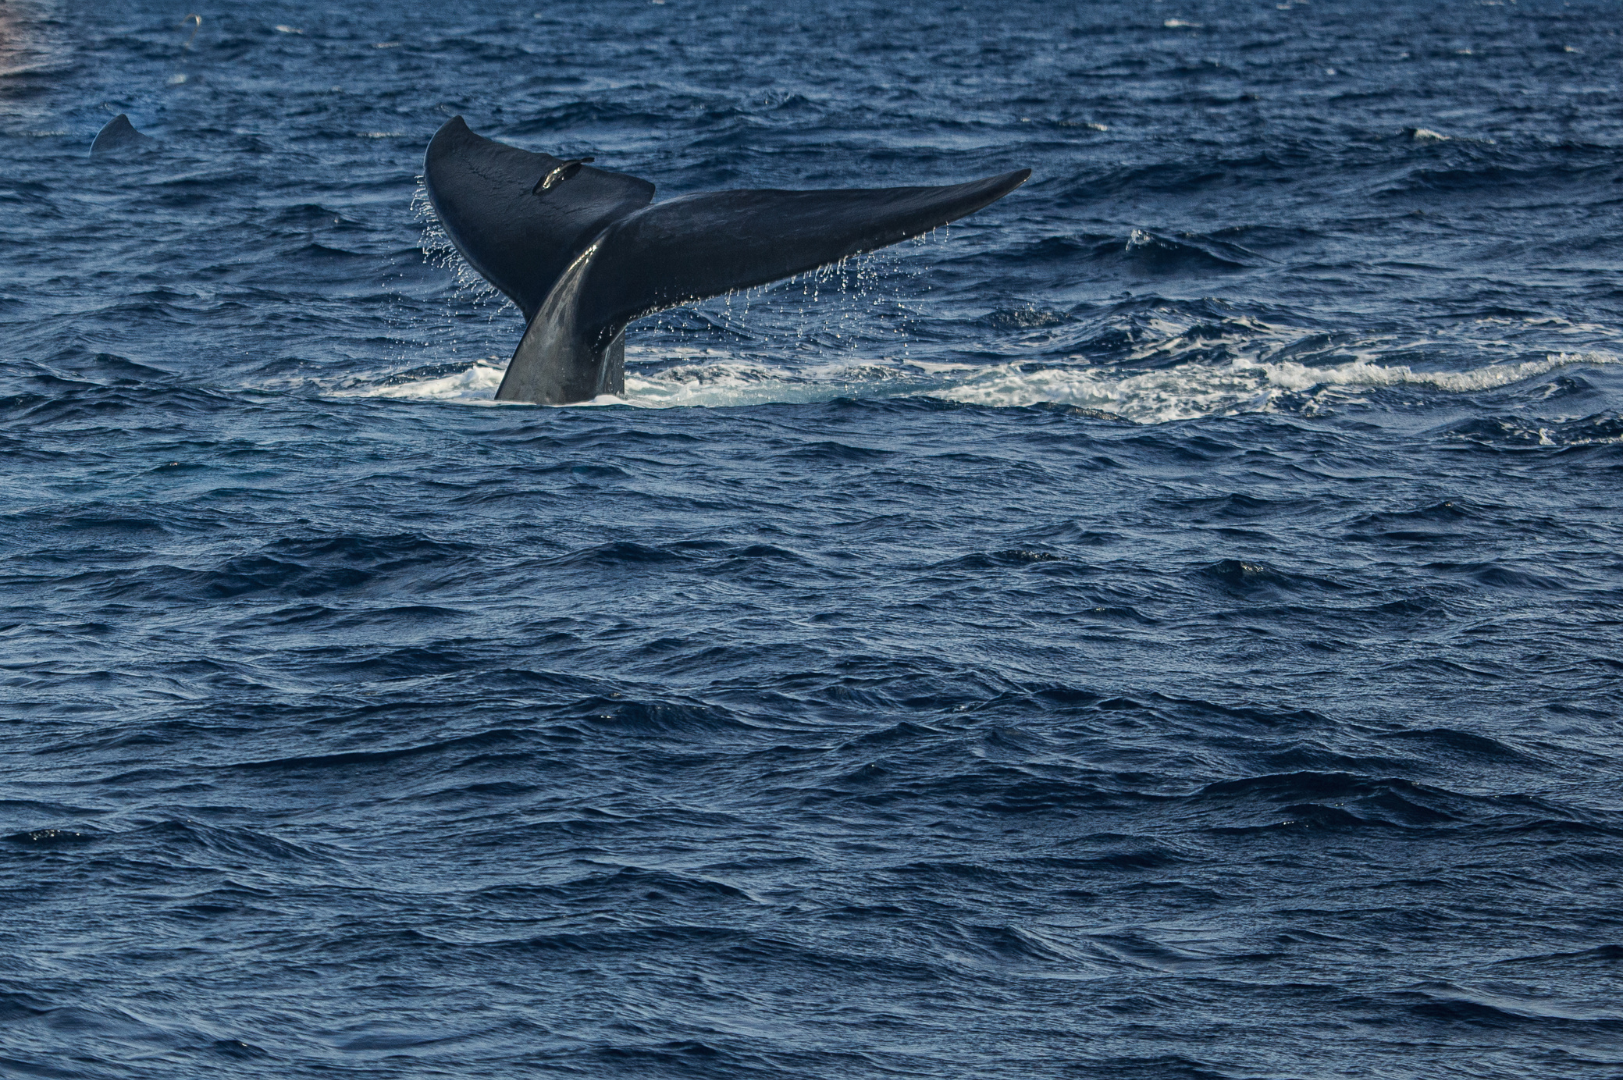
(1183,392)
(474,385)
(1189,391)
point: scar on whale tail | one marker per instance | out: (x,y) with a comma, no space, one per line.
(584,251)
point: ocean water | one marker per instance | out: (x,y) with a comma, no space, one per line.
(1168,624)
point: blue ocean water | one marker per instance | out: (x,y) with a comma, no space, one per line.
(1165,625)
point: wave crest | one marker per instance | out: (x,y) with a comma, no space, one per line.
(1183,392)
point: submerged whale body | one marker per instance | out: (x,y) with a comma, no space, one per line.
(584,251)
(118,135)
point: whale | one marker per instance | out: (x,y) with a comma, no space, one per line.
(583,251)
(118,136)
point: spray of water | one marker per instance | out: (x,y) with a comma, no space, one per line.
(459,336)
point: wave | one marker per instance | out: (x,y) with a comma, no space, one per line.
(1182,392)
(472,385)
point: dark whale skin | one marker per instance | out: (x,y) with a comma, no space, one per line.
(589,253)
(119,136)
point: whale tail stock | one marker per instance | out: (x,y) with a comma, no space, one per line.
(584,255)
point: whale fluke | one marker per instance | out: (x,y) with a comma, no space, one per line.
(582,252)
(118,136)
(518,239)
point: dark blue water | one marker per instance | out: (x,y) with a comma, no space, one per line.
(1167,625)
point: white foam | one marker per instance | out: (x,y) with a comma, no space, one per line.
(1193,390)
(1167,376)
(474,386)
(1183,392)
(1364,373)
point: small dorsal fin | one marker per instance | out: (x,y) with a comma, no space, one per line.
(119,134)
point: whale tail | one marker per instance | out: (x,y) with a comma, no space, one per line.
(118,135)
(586,254)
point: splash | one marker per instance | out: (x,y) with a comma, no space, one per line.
(440,253)
(467,309)
(1242,386)
(1185,392)
(846,330)
(473,385)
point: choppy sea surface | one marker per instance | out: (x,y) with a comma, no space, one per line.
(1168,624)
